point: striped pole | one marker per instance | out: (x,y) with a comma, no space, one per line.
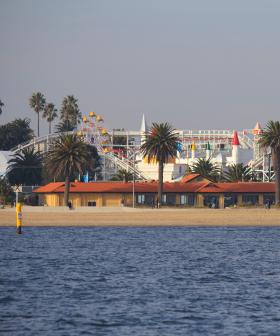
(18,218)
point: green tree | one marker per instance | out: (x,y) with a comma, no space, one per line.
(69,112)
(6,191)
(123,175)
(161,143)
(1,106)
(50,114)
(93,164)
(37,103)
(64,126)
(15,133)
(25,168)
(238,172)
(271,138)
(68,156)
(207,169)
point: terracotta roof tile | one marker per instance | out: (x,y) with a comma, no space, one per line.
(189,178)
(120,187)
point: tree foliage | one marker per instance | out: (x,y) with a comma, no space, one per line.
(15,133)
(6,191)
(50,114)
(37,103)
(68,156)
(25,168)
(123,175)
(271,138)
(238,172)
(1,106)
(161,143)
(64,126)
(69,112)
(207,169)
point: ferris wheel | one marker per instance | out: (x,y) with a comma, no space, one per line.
(94,132)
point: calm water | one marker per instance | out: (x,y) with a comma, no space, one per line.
(140,281)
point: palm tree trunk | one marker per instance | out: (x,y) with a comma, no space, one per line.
(276,167)
(160,182)
(66,190)
(50,127)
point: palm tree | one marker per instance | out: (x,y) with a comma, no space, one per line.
(68,155)
(206,168)
(69,112)
(271,138)
(64,126)
(123,175)
(1,106)
(25,168)
(37,103)
(238,172)
(50,114)
(161,143)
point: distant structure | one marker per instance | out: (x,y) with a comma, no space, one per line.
(5,156)
(235,149)
(120,149)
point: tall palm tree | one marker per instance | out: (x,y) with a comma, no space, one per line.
(68,155)
(69,112)
(271,138)
(25,168)
(50,114)
(37,103)
(64,126)
(161,143)
(238,172)
(1,106)
(206,168)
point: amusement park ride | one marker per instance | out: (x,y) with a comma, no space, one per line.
(121,149)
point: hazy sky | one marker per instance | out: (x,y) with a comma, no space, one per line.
(197,64)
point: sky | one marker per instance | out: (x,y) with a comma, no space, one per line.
(197,64)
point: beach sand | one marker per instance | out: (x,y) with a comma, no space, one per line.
(44,216)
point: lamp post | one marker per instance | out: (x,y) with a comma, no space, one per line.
(133,182)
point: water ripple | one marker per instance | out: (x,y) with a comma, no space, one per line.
(140,281)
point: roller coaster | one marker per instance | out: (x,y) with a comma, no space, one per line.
(121,149)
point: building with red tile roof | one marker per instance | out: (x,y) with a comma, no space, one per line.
(190,191)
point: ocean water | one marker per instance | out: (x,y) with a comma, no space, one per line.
(140,281)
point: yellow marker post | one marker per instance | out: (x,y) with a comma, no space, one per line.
(18,217)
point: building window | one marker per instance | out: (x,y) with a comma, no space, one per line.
(187,199)
(92,203)
(211,201)
(250,199)
(149,199)
(171,199)
(230,200)
(163,200)
(183,199)
(141,199)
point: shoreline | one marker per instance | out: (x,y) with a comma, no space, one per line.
(63,217)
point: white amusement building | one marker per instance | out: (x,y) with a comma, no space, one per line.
(119,148)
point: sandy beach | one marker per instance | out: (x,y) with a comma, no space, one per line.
(43,216)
